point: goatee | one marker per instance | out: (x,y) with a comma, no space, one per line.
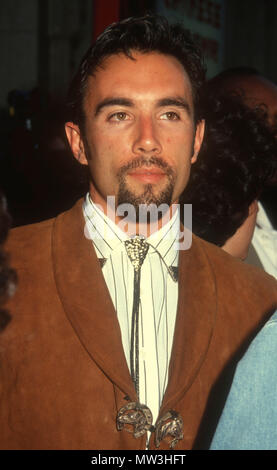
(148,196)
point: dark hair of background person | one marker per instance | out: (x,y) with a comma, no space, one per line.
(235,164)
(8,277)
(221,78)
(235,80)
(150,33)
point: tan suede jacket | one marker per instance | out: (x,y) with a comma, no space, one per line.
(63,373)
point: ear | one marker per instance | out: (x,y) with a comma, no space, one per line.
(74,138)
(199,135)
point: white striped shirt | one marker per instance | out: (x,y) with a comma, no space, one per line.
(158,296)
(265,242)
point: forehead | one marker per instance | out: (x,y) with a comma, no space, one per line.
(148,76)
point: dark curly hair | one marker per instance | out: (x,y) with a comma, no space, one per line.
(8,277)
(150,33)
(237,160)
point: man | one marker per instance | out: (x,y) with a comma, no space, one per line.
(108,350)
(258,93)
(235,164)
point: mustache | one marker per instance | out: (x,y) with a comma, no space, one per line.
(140,162)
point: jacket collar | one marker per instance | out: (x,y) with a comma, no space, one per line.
(90,310)
(86,299)
(196,314)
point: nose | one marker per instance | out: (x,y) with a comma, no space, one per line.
(146,139)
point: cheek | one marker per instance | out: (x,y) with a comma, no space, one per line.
(109,148)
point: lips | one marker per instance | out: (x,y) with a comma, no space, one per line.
(147,175)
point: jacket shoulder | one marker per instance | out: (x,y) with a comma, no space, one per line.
(29,240)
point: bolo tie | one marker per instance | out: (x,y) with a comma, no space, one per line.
(136,249)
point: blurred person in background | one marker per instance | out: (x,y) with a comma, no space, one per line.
(249,417)
(259,94)
(236,163)
(236,167)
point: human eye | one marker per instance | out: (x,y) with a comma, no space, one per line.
(118,116)
(170,116)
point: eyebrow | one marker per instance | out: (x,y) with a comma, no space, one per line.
(178,101)
(112,102)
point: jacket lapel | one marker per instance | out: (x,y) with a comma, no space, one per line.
(194,322)
(85,297)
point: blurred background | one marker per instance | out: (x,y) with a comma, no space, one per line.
(42,42)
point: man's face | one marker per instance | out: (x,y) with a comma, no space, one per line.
(140,136)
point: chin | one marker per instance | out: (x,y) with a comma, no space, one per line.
(149,195)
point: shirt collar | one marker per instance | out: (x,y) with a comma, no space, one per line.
(262,220)
(164,241)
(107,236)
